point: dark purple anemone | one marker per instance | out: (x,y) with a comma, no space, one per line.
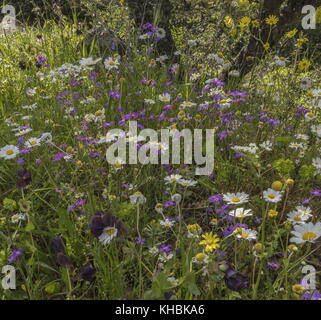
(102,220)
(235,280)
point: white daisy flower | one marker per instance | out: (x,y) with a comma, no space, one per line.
(166,223)
(241,213)
(309,116)
(308,232)
(246,234)
(271,195)
(119,164)
(301,136)
(316,162)
(304,210)
(32,142)
(296,145)
(17,217)
(22,132)
(111,63)
(166,97)
(236,198)
(173,178)
(187,104)
(90,117)
(108,234)
(9,152)
(100,115)
(295,217)
(187,183)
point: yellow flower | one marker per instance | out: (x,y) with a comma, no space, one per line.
(256,23)
(266,46)
(200,257)
(291,33)
(272,20)
(229,22)
(298,289)
(210,241)
(301,41)
(193,227)
(304,64)
(245,22)
(272,213)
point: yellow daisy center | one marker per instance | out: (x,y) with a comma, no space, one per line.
(271,196)
(236,200)
(9,152)
(309,236)
(110,232)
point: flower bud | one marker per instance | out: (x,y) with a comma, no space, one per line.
(258,248)
(277,185)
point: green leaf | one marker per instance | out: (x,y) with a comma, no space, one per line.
(53,287)
(29,227)
(190,284)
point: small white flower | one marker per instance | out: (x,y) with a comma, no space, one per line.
(90,117)
(187,183)
(316,162)
(32,142)
(301,136)
(296,217)
(17,217)
(173,178)
(108,234)
(166,223)
(304,210)
(166,97)
(236,198)
(9,152)
(240,213)
(246,234)
(271,195)
(111,63)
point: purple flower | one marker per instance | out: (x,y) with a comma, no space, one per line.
(165,248)
(59,156)
(216,199)
(14,255)
(140,241)
(273,265)
(115,94)
(316,193)
(316,295)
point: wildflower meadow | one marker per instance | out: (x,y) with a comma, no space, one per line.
(173,154)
